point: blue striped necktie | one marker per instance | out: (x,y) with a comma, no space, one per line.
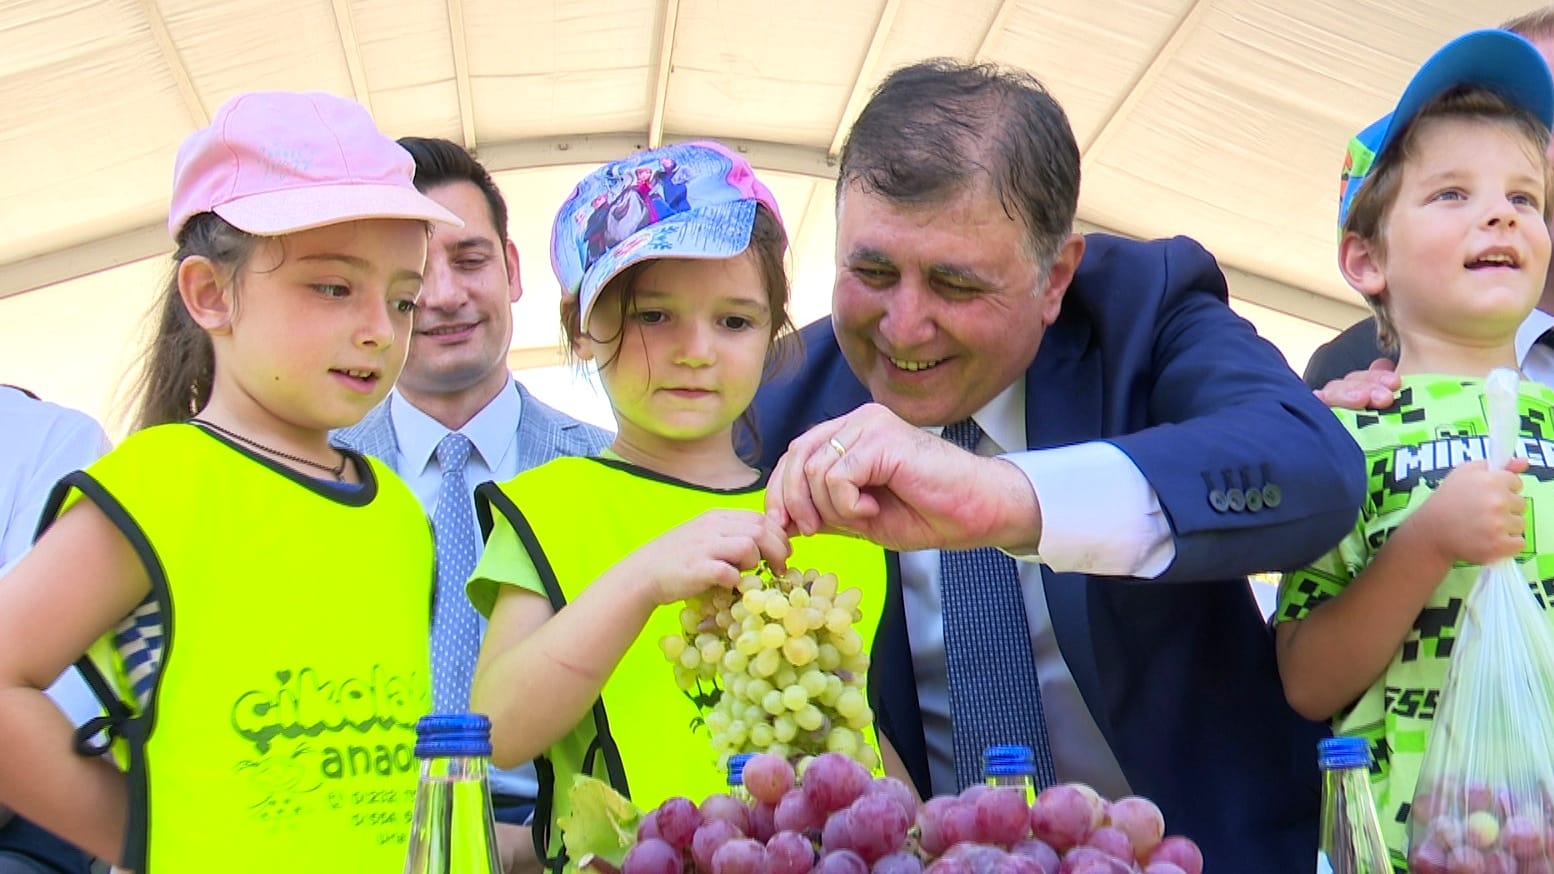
(991,667)
(455,624)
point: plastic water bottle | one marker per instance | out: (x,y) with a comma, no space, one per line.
(1011,765)
(453,831)
(736,776)
(1351,830)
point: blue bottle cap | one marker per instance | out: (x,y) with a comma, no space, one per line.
(736,768)
(1343,752)
(1008,760)
(443,735)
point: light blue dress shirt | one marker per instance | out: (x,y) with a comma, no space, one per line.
(1100,516)
(494,458)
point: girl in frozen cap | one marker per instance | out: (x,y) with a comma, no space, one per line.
(588,560)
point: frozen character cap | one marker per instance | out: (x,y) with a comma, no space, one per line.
(276,162)
(1501,61)
(687,200)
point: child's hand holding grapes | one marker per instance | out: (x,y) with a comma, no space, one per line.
(712,550)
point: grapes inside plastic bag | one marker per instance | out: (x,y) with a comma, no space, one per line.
(1485,796)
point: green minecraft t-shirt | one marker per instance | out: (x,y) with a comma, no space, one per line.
(1436,423)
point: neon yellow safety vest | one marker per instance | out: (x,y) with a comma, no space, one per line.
(579,517)
(281,729)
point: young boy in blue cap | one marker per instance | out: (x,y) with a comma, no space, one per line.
(1442,217)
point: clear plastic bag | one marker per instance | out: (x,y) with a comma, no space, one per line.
(1485,796)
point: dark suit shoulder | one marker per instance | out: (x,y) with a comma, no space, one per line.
(1124,289)
(1118,267)
(1353,349)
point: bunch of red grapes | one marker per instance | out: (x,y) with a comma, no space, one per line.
(840,820)
(1472,826)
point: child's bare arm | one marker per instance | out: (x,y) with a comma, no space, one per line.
(894,767)
(1331,657)
(80,579)
(563,660)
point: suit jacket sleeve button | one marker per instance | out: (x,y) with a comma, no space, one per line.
(1272,495)
(1237,500)
(1254,500)
(1219,501)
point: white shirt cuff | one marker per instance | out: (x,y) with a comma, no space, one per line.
(1099,514)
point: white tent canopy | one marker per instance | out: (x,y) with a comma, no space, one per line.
(1221,119)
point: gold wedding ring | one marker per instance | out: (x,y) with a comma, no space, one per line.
(837,445)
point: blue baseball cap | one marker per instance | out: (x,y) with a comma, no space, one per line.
(1498,60)
(686,200)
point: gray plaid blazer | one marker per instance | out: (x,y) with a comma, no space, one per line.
(544,433)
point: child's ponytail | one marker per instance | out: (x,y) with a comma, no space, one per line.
(179,365)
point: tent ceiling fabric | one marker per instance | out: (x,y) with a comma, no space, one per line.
(1221,119)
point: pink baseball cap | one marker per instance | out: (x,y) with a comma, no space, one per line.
(276,162)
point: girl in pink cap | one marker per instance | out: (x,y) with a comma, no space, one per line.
(588,560)
(251,601)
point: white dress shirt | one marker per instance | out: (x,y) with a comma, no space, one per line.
(1099,515)
(493,458)
(1537,359)
(39,443)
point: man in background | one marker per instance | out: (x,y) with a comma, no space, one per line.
(458,418)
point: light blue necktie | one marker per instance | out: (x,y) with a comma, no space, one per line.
(994,694)
(455,624)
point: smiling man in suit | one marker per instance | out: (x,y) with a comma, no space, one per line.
(1150,449)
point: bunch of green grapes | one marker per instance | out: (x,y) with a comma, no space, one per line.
(788,663)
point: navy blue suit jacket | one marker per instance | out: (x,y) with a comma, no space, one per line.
(1179,671)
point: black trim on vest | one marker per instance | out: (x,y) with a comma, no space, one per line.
(431,602)
(483,493)
(354,498)
(542,806)
(604,741)
(135,730)
(644,473)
